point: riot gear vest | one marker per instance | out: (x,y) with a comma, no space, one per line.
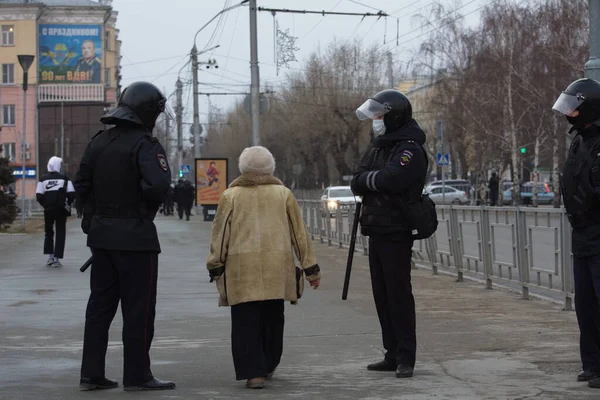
(116,172)
(384,215)
(581,178)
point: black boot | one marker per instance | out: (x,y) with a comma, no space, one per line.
(153,384)
(594,383)
(404,371)
(385,365)
(588,376)
(97,384)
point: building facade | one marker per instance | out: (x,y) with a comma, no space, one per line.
(74,78)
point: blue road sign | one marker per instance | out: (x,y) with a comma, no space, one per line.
(186,169)
(443,159)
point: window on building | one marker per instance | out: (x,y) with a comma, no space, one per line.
(107,76)
(107,40)
(8,74)
(8,35)
(8,114)
(10,151)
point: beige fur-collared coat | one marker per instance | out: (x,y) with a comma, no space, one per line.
(256,232)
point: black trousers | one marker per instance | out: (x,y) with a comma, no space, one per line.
(390,264)
(57,247)
(257,337)
(130,277)
(587,300)
(184,209)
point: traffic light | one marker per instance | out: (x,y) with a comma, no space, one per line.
(180,173)
(523,150)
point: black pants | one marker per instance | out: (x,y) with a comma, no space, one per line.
(184,209)
(130,277)
(493,199)
(587,300)
(256,337)
(50,246)
(389,262)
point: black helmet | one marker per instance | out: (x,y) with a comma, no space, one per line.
(140,103)
(392,104)
(582,95)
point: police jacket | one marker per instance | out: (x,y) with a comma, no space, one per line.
(580,189)
(392,174)
(122,180)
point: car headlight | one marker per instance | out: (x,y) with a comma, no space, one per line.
(332,204)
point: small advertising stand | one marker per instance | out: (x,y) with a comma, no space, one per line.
(211,182)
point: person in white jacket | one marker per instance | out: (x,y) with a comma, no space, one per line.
(55,192)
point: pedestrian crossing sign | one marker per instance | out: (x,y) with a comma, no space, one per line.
(443,159)
(186,169)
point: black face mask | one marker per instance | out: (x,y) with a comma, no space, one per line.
(577,122)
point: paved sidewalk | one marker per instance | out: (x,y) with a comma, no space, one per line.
(473,343)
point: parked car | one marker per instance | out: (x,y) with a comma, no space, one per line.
(460,184)
(447,195)
(545,194)
(335,197)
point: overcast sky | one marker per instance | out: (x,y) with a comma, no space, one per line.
(157,36)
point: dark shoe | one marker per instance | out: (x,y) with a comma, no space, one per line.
(384,365)
(404,371)
(97,384)
(153,384)
(588,376)
(594,383)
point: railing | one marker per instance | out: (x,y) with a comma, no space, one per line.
(70,92)
(526,249)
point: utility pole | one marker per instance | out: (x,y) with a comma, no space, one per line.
(592,67)
(209,114)
(179,112)
(168,138)
(62,131)
(196,122)
(390,71)
(255,79)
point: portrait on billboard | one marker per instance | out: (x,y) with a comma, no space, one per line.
(211,180)
(70,53)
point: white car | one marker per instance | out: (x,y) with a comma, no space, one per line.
(335,197)
(447,195)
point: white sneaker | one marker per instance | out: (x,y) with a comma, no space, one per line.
(57,263)
(50,262)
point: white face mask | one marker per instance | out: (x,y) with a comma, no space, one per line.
(378,127)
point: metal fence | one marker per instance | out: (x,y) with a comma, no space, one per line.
(527,249)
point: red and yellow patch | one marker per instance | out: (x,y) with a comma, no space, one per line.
(162,162)
(405,157)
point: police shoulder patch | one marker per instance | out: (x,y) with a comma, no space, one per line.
(162,162)
(405,157)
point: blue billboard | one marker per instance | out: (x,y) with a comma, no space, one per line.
(70,53)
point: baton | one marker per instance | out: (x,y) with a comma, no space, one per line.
(86,265)
(351,250)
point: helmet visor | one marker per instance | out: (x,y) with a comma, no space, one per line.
(567,103)
(371,109)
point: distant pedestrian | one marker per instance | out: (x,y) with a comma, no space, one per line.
(188,198)
(494,186)
(253,263)
(55,192)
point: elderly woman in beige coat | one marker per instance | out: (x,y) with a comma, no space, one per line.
(256,232)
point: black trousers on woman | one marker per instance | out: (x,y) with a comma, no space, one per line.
(256,337)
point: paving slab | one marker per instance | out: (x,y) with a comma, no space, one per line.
(473,343)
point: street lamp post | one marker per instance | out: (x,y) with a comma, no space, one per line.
(592,67)
(25,61)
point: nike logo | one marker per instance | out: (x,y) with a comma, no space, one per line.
(51,184)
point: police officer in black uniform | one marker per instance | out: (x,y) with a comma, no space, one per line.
(122,180)
(580,187)
(392,174)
